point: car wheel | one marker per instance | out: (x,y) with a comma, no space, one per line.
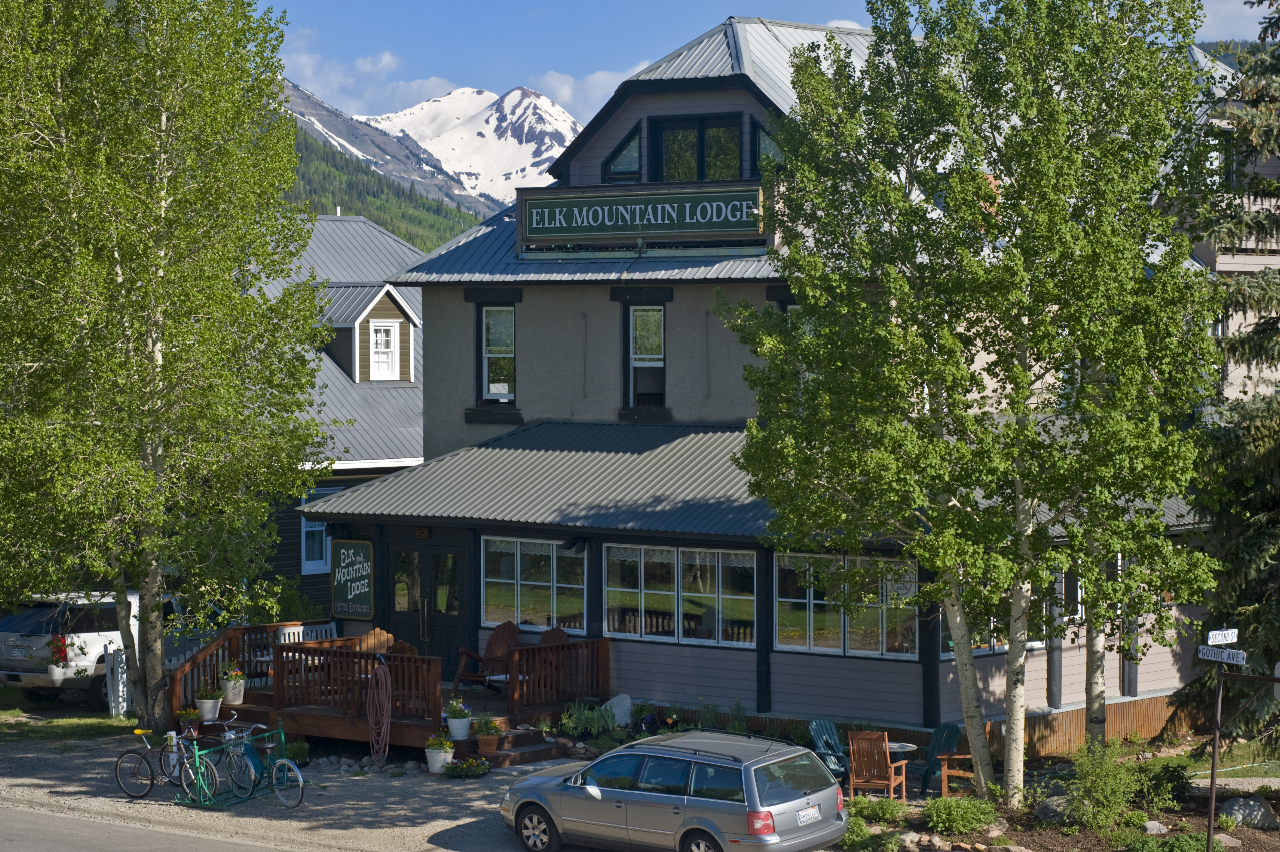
(536,830)
(699,841)
(41,696)
(97,694)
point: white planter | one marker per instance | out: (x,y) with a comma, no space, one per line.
(459,729)
(208,709)
(233,692)
(436,760)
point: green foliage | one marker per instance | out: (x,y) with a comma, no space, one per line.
(708,714)
(1134,819)
(543,725)
(580,719)
(737,718)
(1159,787)
(284,601)
(439,741)
(855,833)
(485,726)
(1070,830)
(1226,822)
(1174,843)
(456,709)
(799,734)
(875,810)
(1103,786)
(641,709)
(958,814)
(208,692)
(299,753)
(472,768)
(328,179)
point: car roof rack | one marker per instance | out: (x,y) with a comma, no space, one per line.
(675,746)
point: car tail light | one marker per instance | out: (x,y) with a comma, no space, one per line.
(839,798)
(58,648)
(760,822)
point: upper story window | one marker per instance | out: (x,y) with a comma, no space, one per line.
(498,353)
(384,351)
(315,542)
(623,165)
(762,146)
(648,357)
(696,149)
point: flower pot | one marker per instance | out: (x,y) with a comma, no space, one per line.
(191,729)
(436,760)
(487,743)
(233,692)
(460,729)
(208,708)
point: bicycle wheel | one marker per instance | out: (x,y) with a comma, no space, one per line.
(171,764)
(199,779)
(287,782)
(240,774)
(134,775)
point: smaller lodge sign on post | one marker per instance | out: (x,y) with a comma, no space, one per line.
(353,580)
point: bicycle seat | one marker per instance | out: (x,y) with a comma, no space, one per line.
(140,731)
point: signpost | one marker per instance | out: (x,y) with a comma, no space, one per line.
(1223,637)
(352,580)
(1222,655)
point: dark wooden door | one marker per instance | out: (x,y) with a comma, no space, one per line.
(409,584)
(446,606)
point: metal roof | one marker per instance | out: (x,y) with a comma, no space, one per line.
(353,250)
(348,303)
(387,415)
(658,478)
(486,254)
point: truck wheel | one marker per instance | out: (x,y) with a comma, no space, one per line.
(97,694)
(41,696)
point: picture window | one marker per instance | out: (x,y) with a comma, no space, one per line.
(536,584)
(697,149)
(807,621)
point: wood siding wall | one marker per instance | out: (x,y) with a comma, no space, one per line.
(385,309)
(683,674)
(847,688)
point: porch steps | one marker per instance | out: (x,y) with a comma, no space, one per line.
(515,748)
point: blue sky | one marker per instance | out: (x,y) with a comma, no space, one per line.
(379,56)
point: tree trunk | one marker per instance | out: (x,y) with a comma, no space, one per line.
(1095,682)
(970,697)
(1015,692)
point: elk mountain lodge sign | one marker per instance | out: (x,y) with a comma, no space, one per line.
(353,580)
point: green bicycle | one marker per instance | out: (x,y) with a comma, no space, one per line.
(246,768)
(137,770)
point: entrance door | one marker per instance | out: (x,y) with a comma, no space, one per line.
(444,605)
(406,606)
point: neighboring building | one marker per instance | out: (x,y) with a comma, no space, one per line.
(370,374)
(580,414)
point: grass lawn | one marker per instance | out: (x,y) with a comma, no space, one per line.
(57,720)
(1232,762)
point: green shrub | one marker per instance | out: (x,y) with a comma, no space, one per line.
(641,709)
(958,814)
(299,753)
(738,717)
(857,838)
(1070,830)
(580,718)
(1177,843)
(875,810)
(798,734)
(473,768)
(855,833)
(1102,788)
(1134,819)
(1159,786)
(1226,823)
(708,715)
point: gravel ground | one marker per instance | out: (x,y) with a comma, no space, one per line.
(377,812)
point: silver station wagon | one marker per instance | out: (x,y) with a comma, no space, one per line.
(701,791)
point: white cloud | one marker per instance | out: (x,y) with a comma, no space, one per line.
(843,22)
(1228,19)
(583,97)
(357,88)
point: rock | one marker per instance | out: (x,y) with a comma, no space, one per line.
(980,847)
(997,828)
(346,761)
(963,846)
(524,727)
(579,745)
(1254,812)
(366,761)
(412,765)
(1227,840)
(1053,810)
(550,739)
(566,742)
(875,829)
(1146,755)
(909,838)
(621,707)
(941,845)
(1153,827)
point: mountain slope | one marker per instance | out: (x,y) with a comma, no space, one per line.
(328,179)
(402,159)
(505,142)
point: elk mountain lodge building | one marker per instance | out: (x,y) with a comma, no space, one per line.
(580,407)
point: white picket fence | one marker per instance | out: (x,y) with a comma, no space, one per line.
(119,696)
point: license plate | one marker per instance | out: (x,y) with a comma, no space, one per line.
(18,653)
(804,816)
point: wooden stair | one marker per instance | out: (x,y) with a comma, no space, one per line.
(515,748)
(256,709)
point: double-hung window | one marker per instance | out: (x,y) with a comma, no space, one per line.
(315,544)
(536,584)
(384,351)
(680,595)
(808,621)
(498,353)
(648,356)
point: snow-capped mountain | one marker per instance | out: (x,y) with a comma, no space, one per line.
(491,143)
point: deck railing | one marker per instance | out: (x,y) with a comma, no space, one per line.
(306,675)
(539,674)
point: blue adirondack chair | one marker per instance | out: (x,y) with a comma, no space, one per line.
(944,740)
(826,744)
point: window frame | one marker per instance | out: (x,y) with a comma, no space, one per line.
(654,361)
(483,396)
(605,177)
(394,372)
(315,566)
(679,638)
(554,585)
(700,122)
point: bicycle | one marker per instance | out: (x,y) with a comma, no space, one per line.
(246,769)
(136,775)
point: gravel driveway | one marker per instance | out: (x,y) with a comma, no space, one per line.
(377,812)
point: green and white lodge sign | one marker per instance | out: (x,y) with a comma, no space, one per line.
(352,563)
(558,215)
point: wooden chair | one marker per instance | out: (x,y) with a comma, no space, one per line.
(870,768)
(948,770)
(494,661)
(826,744)
(554,636)
(944,741)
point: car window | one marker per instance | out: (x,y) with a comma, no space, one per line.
(613,773)
(663,775)
(722,783)
(791,779)
(93,619)
(38,618)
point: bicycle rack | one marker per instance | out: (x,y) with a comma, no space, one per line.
(224,797)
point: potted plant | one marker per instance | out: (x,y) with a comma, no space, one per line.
(439,752)
(233,686)
(487,734)
(472,768)
(459,716)
(189,722)
(208,702)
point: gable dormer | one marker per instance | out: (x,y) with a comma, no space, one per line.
(373,332)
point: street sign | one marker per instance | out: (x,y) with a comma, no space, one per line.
(1221,655)
(1223,637)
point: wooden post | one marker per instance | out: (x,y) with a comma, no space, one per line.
(1213,766)
(277,678)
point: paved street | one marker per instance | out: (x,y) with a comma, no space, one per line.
(35,831)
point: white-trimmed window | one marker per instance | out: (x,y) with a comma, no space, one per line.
(807,621)
(536,584)
(384,351)
(498,354)
(680,594)
(315,544)
(648,356)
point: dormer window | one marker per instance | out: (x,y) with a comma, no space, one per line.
(623,165)
(384,351)
(696,149)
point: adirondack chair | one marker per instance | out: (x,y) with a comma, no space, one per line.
(826,744)
(494,660)
(554,636)
(401,647)
(944,741)
(870,767)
